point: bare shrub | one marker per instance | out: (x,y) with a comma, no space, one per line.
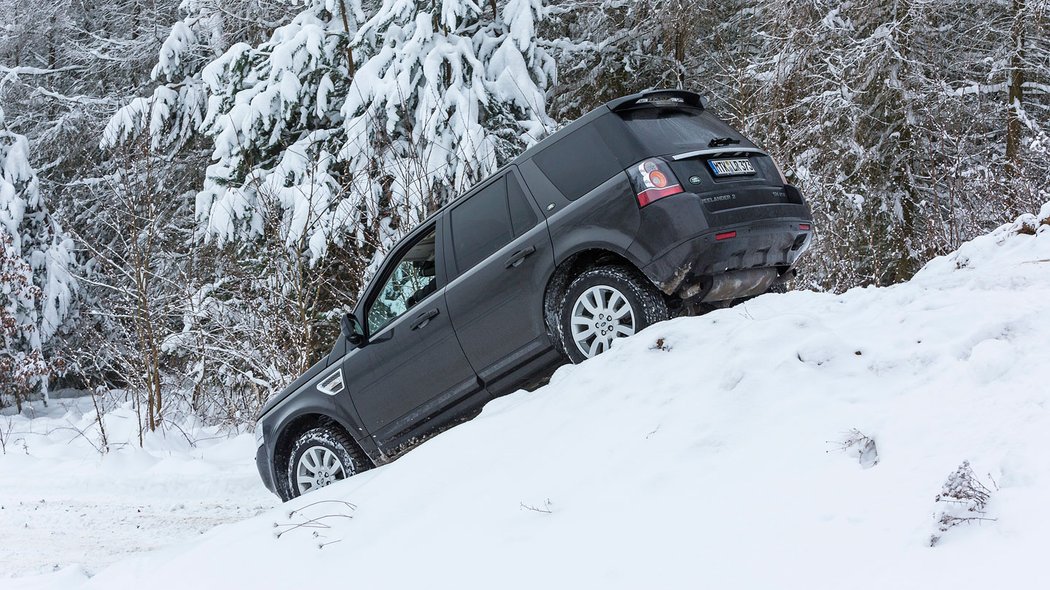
(963,500)
(545,508)
(661,344)
(317,525)
(6,434)
(862,446)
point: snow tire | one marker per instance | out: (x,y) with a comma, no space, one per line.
(604,286)
(324,455)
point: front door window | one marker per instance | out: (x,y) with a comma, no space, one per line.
(410,281)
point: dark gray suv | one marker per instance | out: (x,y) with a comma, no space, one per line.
(645,208)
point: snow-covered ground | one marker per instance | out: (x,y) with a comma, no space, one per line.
(62,503)
(704,452)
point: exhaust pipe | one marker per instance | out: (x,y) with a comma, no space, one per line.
(740,283)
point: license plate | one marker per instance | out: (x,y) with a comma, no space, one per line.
(736,167)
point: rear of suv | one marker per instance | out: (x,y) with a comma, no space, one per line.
(645,208)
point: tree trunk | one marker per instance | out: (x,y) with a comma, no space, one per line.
(1014,97)
(349,50)
(906,263)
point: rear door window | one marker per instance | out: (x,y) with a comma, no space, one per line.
(481,225)
(579,162)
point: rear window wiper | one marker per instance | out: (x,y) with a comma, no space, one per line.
(722,141)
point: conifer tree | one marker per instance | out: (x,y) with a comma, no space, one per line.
(36,284)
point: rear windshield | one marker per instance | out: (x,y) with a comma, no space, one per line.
(667,131)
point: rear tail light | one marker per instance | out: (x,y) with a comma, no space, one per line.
(653,180)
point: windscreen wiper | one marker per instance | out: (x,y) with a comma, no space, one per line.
(722,141)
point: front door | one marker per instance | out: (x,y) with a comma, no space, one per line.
(416,369)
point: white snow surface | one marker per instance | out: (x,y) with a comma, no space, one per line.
(713,461)
(63,505)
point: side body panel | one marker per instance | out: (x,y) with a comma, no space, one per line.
(497,307)
(309,400)
(606,218)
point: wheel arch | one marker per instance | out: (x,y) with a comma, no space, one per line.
(569,268)
(291,430)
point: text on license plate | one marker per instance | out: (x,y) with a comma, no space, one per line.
(731,167)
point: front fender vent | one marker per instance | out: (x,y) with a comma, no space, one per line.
(332,384)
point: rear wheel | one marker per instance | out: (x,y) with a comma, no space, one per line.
(605,303)
(320,457)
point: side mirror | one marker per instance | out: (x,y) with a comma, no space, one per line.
(352,330)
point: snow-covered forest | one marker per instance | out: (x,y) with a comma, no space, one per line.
(193,191)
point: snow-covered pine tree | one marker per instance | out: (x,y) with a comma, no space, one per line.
(293,175)
(232,299)
(446,92)
(19,367)
(439,94)
(172,114)
(912,126)
(259,298)
(272,117)
(36,283)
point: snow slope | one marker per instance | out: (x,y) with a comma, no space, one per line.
(713,461)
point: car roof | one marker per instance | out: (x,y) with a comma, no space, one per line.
(685,97)
(688,98)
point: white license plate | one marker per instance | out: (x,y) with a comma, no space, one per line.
(736,167)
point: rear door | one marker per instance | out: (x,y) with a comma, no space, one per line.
(415,368)
(500,257)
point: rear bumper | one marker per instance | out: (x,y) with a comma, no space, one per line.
(694,269)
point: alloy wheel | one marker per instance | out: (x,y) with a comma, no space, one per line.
(600,315)
(318,467)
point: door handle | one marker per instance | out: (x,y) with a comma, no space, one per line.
(517,257)
(424,318)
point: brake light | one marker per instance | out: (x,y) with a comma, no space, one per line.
(803,226)
(725,235)
(653,180)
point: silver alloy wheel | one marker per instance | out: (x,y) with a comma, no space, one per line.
(318,467)
(600,315)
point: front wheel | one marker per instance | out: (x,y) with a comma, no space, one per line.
(320,457)
(605,303)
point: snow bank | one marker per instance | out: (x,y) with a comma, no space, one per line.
(712,452)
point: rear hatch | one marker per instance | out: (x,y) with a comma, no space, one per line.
(733,178)
(708,157)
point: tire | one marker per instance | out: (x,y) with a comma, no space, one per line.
(319,457)
(781,287)
(605,303)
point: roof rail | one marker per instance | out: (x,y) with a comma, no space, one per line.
(659,99)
